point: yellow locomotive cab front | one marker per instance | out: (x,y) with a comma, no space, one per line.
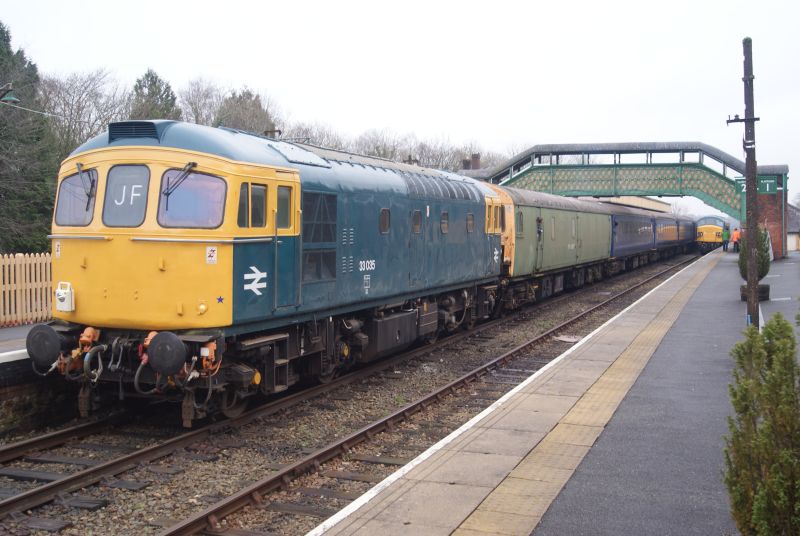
(147,243)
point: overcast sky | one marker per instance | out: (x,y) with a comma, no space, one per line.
(506,75)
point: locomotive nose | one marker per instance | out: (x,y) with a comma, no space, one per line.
(166,353)
(44,345)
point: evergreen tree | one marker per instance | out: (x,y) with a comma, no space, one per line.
(28,163)
(245,110)
(153,98)
(762,254)
(762,454)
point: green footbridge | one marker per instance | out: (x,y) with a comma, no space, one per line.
(650,169)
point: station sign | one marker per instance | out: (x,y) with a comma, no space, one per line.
(766,185)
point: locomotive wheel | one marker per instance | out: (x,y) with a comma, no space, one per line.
(328,377)
(232,406)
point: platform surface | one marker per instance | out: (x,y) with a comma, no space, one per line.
(623,434)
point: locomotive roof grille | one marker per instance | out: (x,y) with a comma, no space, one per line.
(131,129)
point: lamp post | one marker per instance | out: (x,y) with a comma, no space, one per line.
(7,95)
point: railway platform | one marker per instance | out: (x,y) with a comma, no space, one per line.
(622,434)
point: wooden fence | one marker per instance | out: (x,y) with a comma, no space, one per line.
(25,288)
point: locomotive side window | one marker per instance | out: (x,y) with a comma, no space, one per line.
(319,237)
(444,224)
(385,220)
(284,207)
(126,196)
(244,207)
(319,265)
(191,200)
(319,218)
(519,223)
(470,223)
(416,222)
(76,199)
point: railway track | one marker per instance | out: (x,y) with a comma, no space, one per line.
(256,494)
(108,472)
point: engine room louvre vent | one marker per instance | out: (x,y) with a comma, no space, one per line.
(131,129)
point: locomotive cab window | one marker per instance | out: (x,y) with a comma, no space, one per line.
(191,200)
(284,207)
(76,196)
(244,205)
(258,206)
(416,222)
(470,223)
(519,223)
(252,205)
(444,224)
(126,196)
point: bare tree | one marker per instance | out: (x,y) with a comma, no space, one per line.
(315,134)
(200,101)
(81,106)
(679,210)
(383,144)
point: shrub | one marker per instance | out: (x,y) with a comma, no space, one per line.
(762,255)
(762,452)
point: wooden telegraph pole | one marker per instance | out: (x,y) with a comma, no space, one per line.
(751,184)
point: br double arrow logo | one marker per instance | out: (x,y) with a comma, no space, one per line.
(255,278)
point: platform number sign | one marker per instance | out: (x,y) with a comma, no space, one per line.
(766,185)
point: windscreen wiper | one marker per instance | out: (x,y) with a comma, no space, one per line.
(89,191)
(187,169)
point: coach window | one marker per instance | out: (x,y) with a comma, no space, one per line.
(470,223)
(444,225)
(76,196)
(416,222)
(284,207)
(126,196)
(385,220)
